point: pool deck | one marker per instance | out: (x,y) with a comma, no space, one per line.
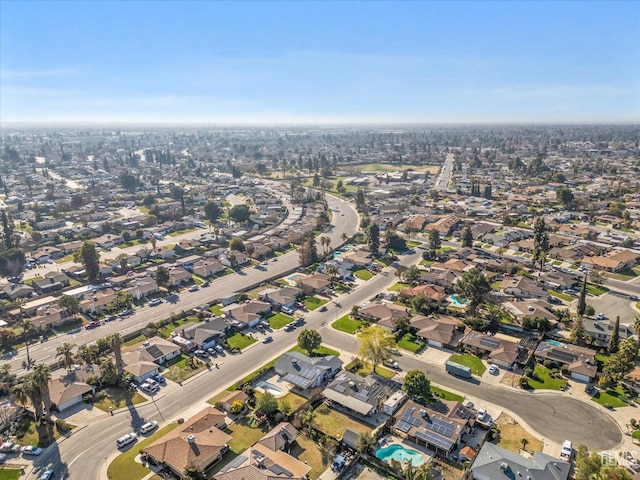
(273,380)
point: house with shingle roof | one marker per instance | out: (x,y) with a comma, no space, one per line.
(501,349)
(197,443)
(363,396)
(440,332)
(307,372)
(580,361)
(384,314)
(493,462)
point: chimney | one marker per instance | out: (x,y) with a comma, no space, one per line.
(191,439)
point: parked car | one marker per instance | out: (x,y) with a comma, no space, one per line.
(481,414)
(206,284)
(148,427)
(149,388)
(193,288)
(493,369)
(126,313)
(110,318)
(268,339)
(200,353)
(155,302)
(46,475)
(9,447)
(323,308)
(31,450)
(92,325)
(600,316)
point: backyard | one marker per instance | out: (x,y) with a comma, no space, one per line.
(279,320)
(240,341)
(334,423)
(245,433)
(347,324)
(542,379)
(312,454)
(474,363)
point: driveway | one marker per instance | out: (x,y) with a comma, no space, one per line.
(435,355)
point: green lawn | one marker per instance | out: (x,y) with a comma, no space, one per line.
(314,302)
(252,375)
(562,296)
(279,320)
(181,232)
(363,274)
(335,423)
(312,454)
(182,367)
(626,274)
(596,290)
(134,340)
(216,309)
(118,398)
(497,285)
(366,369)
(165,331)
(240,341)
(124,467)
(614,398)
(446,395)
(601,359)
(556,262)
(244,435)
(427,262)
(398,286)
(9,474)
(543,380)
(409,342)
(347,324)
(321,351)
(413,244)
(471,361)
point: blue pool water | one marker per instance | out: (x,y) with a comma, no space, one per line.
(294,276)
(337,254)
(555,343)
(400,453)
(346,248)
(457,302)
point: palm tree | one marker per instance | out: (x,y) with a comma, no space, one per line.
(344,236)
(423,471)
(524,442)
(366,441)
(41,378)
(409,471)
(19,393)
(308,416)
(66,352)
(26,325)
(115,343)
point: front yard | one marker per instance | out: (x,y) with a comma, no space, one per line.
(279,320)
(314,302)
(446,395)
(542,379)
(612,398)
(240,341)
(396,287)
(118,398)
(409,342)
(124,466)
(321,351)
(182,367)
(347,324)
(365,368)
(512,433)
(474,363)
(363,274)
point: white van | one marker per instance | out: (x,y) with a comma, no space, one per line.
(125,440)
(148,427)
(567,450)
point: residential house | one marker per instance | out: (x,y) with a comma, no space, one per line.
(557,280)
(155,349)
(284,297)
(142,287)
(600,331)
(205,334)
(68,390)
(501,349)
(314,283)
(384,314)
(235,396)
(358,258)
(188,262)
(233,258)
(523,287)
(306,372)
(435,427)
(47,254)
(187,246)
(164,253)
(444,278)
(580,361)
(97,301)
(442,332)
(267,459)
(52,282)
(445,225)
(207,268)
(250,313)
(434,293)
(108,241)
(614,261)
(178,276)
(11,291)
(198,443)
(493,462)
(362,396)
(531,309)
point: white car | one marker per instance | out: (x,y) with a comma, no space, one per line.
(600,316)
(31,450)
(148,427)
(481,414)
(493,369)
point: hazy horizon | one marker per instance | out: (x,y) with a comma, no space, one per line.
(320,63)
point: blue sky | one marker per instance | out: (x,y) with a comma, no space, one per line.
(320,62)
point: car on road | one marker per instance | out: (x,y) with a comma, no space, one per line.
(206,284)
(323,308)
(193,288)
(155,302)
(267,339)
(148,427)
(9,447)
(126,313)
(46,475)
(92,325)
(265,263)
(600,316)
(31,450)
(274,259)
(110,318)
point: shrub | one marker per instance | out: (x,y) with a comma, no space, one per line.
(528,372)
(236,407)
(62,426)
(547,363)
(634,423)
(323,409)
(524,382)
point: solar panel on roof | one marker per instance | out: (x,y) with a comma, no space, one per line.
(406,416)
(340,389)
(416,422)
(490,342)
(435,440)
(404,427)
(441,427)
(360,396)
(564,357)
(278,470)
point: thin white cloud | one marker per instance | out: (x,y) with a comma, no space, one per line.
(24,74)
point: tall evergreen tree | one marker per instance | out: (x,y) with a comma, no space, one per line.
(467,237)
(90,259)
(615,336)
(373,237)
(582,300)
(540,242)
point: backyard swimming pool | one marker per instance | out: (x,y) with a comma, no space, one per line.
(291,278)
(400,453)
(457,302)
(271,388)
